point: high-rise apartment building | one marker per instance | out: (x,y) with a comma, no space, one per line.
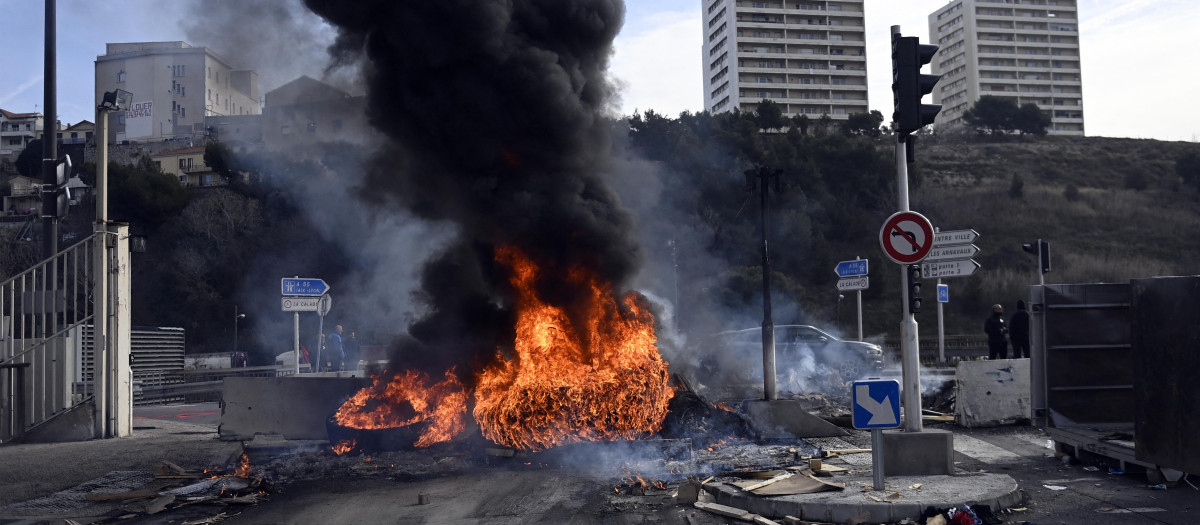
(1027,50)
(174,86)
(808,56)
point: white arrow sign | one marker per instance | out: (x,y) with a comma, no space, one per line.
(300,304)
(955,237)
(881,411)
(854,283)
(936,270)
(952,252)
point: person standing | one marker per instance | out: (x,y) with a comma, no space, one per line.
(334,350)
(1018,329)
(352,348)
(996,331)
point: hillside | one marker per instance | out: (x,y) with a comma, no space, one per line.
(1080,194)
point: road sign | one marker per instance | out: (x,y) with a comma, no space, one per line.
(853,268)
(936,270)
(906,237)
(300,304)
(876,404)
(943,293)
(952,252)
(854,283)
(955,237)
(324,304)
(305,287)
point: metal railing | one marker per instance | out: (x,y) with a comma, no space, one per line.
(41,373)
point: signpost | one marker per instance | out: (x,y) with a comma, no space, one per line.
(304,295)
(961,268)
(856,270)
(304,287)
(876,404)
(950,253)
(943,293)
(906,237)
(954,237)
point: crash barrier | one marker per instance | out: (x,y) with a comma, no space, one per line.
(957,346)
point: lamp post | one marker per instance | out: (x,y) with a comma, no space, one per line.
(236,316)
(115,100)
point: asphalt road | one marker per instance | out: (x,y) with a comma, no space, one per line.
(196,413)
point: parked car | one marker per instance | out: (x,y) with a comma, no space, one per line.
(794,343)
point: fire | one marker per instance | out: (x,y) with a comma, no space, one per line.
(408,398)
(344,446)
(604,380)
(243,469)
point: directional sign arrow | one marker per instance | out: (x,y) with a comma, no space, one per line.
(306,287)
(854,283)
(955,237)
(853,268)
(935,270)
(951,252)
(881,410)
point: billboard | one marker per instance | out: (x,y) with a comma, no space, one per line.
(139,120)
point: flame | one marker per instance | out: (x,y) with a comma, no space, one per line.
(243,469)
(408,398)
(556,389)
(344,446)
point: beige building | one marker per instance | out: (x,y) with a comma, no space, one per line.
(187,165)
(1027,50)
(17,130)
(809,56)
(174,86)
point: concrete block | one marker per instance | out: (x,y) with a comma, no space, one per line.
(930,452)
(992,393)
(787,419)
(815,511)
(294,407)
(876,512)
(846,512)
(904,509)
(75,424)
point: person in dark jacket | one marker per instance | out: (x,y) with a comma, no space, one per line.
(1018,331)
(997,334)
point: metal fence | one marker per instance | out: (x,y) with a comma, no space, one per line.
(40,311)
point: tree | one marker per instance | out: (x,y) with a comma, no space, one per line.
(142,194)
(29,161)
(801,121)
(992,115)
(769,115)
(1188,168)
(1030,120)
(863,124)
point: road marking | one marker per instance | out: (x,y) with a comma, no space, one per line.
(983,451)
(1135,510)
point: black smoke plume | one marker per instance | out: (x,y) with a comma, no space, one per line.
(497,109)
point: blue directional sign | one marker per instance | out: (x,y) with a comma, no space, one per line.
(304,287)
(876,404)
(943,293)
(855,268)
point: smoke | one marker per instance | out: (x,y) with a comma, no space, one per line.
(497,112)
(278,39)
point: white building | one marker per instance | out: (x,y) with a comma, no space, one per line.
(17,130)
(809,56)
(1027,50)
(174,86)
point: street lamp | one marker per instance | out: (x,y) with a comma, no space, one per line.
(236,316)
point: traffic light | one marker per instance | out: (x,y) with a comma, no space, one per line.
(909,85)
(912,277)
(1042,250)
(57,198)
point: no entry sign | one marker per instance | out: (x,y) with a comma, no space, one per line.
(906,237)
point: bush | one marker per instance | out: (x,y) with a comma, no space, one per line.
(1071,193)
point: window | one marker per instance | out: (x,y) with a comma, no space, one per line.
(182,111)
(183,179)
(182,91)
(121,76)
(121,118)
(183,164)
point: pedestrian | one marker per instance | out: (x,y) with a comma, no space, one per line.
(352,349)
(334,350)
(1018,330)
(996,332)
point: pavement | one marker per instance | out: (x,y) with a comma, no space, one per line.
(318,487)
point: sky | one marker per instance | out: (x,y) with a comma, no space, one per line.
(1142,91)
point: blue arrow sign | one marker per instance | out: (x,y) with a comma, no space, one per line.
(855,268)
(876,404)
(943,293)
(305,287)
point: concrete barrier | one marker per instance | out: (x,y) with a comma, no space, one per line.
(295,407)
(992,393)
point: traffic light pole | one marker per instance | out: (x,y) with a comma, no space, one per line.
(909,362)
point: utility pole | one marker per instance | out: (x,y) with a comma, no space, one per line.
(50,146)
(758,178)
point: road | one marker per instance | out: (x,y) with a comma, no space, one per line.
(195,413)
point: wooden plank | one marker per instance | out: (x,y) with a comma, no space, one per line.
(760,485)
(724,510)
